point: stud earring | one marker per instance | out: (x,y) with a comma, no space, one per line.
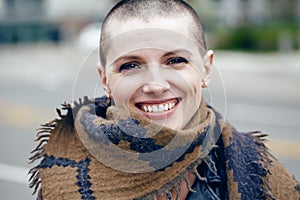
(107,92)
(204,83)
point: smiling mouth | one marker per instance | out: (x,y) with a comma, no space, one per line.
(158,107)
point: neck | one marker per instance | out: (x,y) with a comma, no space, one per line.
(184,191)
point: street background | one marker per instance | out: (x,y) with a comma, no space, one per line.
(50,58)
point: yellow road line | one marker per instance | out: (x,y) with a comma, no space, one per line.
(284,148)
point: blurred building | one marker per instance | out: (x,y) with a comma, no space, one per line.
(263,25)
(55,20)
(47,20)
(234,13)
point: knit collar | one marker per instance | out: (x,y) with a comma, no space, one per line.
(134,148)
(70,169)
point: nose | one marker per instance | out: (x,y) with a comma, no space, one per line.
(155,88)
(157,83)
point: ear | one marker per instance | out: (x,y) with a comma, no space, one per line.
(103,78)
(208,63)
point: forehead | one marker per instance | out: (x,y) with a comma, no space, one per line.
(182,25)
(167,34)
(147,38)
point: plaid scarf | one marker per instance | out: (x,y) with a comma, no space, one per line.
(98,151)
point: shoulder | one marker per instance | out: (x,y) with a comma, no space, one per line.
(283,184)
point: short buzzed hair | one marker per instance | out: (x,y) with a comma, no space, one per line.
(145,10)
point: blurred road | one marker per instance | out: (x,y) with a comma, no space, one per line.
(263,93)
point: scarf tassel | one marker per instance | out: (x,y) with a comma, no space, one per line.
(211,165)
(264,163)
(192,169)
(199,176)
(178,192)
(42,137)
(188,185)
(39,196)
(168,193)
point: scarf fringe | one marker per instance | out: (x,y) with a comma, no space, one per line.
(42,137)
(175,184)
(211,165)
(178,192)
(260,140)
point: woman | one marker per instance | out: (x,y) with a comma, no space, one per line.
(153,136)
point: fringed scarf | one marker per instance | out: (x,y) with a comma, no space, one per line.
(98,151)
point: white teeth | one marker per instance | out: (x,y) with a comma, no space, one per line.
(161,108)
(158,107)
(154,109)
(145,108)
(166,107)
(171,105)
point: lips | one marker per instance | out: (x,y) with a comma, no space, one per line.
(158,107)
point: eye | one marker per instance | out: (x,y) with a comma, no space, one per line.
(177,60)
(128,66)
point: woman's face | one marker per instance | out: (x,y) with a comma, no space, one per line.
(162,81)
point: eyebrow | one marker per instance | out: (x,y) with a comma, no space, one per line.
(177,51)
(169,53)
(127,57)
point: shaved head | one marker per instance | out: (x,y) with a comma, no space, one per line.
(147,11)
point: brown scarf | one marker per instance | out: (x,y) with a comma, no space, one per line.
(116,155)
(127,157)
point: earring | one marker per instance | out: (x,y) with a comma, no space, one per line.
(204,83)
(107,92)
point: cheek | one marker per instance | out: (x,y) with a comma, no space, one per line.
(123,88)
(190,82)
